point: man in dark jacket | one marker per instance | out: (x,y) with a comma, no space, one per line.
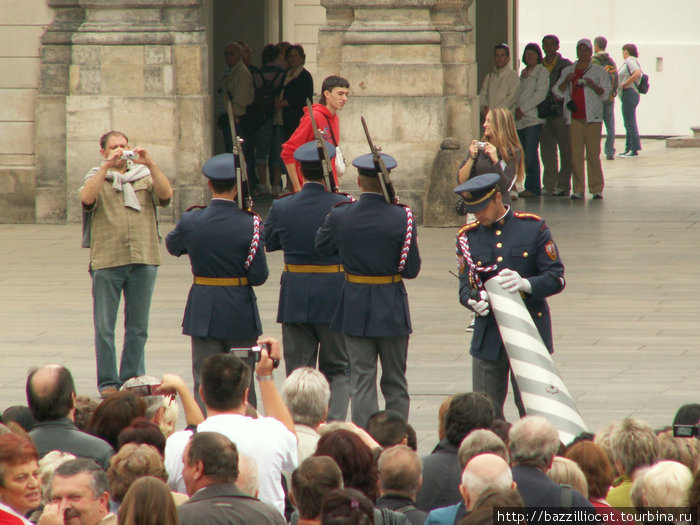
(378,246)
(556,177)
(441,471)
(400,478)
(228,258)
(311,283)
(210,471)
(51,398)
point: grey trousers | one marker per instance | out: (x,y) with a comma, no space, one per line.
(203,347)
(557,168)
(304,343)
(363,353)
(491,377)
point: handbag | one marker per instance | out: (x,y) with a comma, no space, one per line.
(549,107)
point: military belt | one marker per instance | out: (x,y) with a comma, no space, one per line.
(373,279)
(221,281)
(313,268)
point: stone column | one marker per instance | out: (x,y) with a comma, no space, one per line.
(140,68)
(410,67)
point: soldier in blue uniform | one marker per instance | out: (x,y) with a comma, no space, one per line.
(518,247)
(377,244)
(311,282)
(228,258)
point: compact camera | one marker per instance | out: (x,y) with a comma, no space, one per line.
(687,431)
(481,145)
(144,390)
(129,154)
(253,353)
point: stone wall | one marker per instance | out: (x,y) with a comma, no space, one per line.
(141,68)
(21,26)
(411,71)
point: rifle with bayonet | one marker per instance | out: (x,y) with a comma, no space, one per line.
(243,196)
(322,153)
(380,167)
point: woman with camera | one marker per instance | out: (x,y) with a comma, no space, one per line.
(584,86)
(499,151)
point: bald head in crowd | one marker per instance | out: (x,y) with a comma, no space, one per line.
(51,393)
(485,471)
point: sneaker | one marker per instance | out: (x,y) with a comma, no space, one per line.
(527,194)
(627,154)
(513,195)
(598,195)
(610,157)
(576,196)
(275,191)
(545,191)
(560,193)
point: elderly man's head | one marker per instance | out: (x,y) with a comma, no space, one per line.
(400,472)
(306,393)
(485,471)
(210,458)
(481,441)
(50,392)
(533,442)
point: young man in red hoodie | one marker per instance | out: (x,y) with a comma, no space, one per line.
(334,95)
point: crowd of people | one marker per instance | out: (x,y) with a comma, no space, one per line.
(235,465)
(269,111)
(343,304)
(558,107)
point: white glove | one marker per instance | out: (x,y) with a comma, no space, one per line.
(510,280)
(481,307)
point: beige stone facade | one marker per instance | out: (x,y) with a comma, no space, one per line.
(74,69)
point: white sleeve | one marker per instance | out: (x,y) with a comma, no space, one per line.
(174,448)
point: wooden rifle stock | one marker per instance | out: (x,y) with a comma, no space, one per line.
(322,153)
(380,167)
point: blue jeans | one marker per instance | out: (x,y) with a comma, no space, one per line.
(630,100)
(530,140)
(609,121)
(136,282)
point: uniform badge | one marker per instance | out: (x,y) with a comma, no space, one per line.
(462,263)
(551,250)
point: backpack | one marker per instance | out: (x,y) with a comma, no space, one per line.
(643,82)
(611,68)
(263,106)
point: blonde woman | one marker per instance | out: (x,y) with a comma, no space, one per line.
(498,151)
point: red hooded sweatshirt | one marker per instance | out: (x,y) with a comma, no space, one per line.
(304,133)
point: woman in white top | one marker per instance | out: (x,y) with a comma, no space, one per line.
(629,73)
(534,84)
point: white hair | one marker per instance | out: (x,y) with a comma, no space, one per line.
(533,441)
(306,393)
(666,485)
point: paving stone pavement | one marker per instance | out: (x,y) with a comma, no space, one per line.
(626,328)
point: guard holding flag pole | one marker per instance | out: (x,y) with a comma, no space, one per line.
(228,258)
(377,244)
(311,282)
(517,250)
